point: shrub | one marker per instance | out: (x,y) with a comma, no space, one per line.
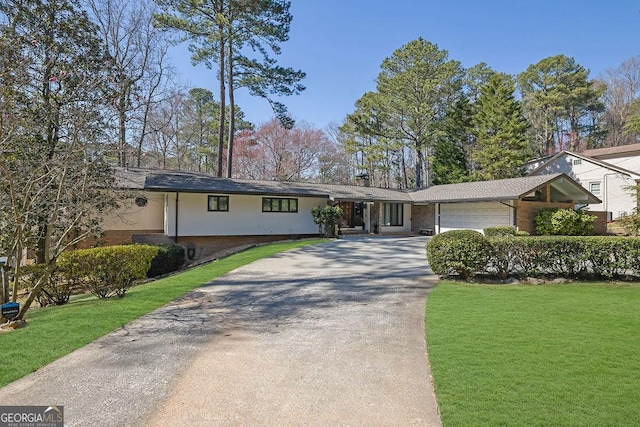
(499,231)
(564,222)
(57,290)
(327,218)
(111,269)
(459,252)
(170,258)
(580,257)
(630,224)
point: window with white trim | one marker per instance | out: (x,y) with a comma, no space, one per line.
(577,162)
(594,188)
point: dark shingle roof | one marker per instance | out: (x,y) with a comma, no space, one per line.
(194,182)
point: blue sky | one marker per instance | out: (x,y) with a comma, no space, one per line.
(340,44)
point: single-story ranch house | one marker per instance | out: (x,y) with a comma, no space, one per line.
(208,215)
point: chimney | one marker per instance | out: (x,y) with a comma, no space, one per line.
(366,179)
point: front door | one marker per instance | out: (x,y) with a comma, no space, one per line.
(352,214)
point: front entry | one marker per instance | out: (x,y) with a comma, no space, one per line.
(352,214)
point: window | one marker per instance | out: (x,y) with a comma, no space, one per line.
(594,188)
(271,204)
(393,214)
(577,162)
(218,204)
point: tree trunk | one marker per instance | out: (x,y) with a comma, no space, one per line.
(37,289)
(419,163)
(232,121)
(122,136)
(221,58)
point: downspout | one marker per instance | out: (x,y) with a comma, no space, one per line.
(176,225)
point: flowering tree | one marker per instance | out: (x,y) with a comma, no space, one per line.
(273,152)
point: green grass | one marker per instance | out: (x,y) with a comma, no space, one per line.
(552,355)
(53,332)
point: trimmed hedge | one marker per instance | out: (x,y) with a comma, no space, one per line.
(170,258)
(458,252)
(586,257)
(108,270)
(574,257)
(499,231)
(564,222)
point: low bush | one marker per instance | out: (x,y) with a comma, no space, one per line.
(564,222)
(499,231)
(460,252)
(170,258)
(465,253)
(630,224)
(109,270)
(57,290)
(585,257)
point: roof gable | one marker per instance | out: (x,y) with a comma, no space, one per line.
(597,162)
(565,188)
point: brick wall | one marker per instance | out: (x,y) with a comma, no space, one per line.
(204,246)
(601,222)
(120,237)
(423,216)
(526,212)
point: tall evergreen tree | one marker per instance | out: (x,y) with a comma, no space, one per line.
(223,32)
(561,104)
(449,161)
(500,129)
(418,85)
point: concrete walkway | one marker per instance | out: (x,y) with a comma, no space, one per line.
(325,335)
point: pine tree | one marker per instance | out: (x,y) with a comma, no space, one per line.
(500,129)
(449,160)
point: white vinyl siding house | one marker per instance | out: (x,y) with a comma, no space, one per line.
(607,181)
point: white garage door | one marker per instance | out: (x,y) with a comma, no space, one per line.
(473,216)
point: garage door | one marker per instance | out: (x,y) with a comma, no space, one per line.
(473,216)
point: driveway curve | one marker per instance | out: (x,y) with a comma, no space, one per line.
(331,334)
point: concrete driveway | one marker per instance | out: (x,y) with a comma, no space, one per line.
(327,334)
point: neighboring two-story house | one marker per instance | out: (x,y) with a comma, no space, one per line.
(608,173)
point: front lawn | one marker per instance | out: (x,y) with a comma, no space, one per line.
(514,355)
(55,331)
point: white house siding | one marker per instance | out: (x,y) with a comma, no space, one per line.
(629,162)
(244,218)
(473,216)
(132,217)
(613,192)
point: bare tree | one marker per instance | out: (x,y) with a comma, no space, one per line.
(622,88)
(139,54)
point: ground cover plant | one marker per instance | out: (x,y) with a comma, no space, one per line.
(55,331)
(514,355)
